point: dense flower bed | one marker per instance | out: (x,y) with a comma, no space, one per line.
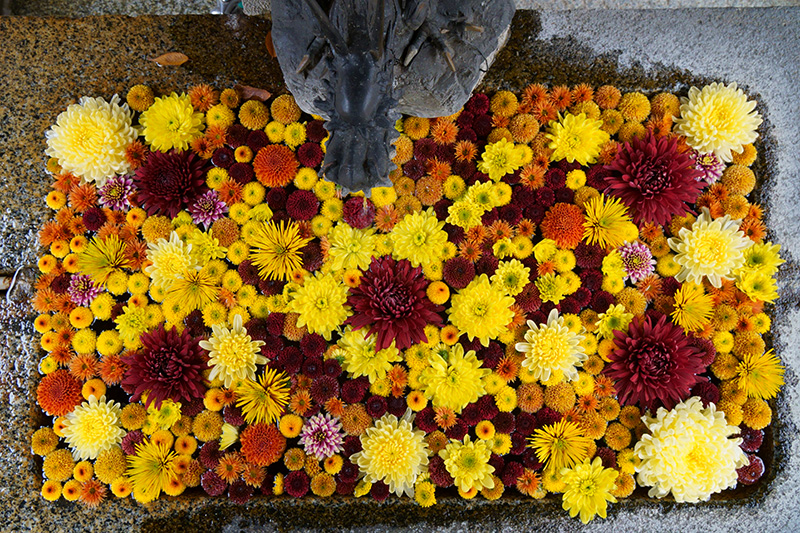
(563,292)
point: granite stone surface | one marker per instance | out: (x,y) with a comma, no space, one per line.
(46,64)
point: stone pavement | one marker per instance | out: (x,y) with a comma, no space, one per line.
(45,64)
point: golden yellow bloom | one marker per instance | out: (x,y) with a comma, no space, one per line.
(171,122)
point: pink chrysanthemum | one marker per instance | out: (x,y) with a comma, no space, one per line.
(321,436)
(114,194)
(207,209)
(709,165)
(391,300)
(82,290)
(169,182)
(653,365)
(637,261)
(652,178)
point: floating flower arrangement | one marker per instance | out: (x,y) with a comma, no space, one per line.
(563,292)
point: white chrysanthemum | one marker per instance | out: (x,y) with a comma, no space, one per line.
(170,258)
(713,248)
(234,355)
(393,452)
(92,427)
(688,452)
(718,119)
(550,348)
(89,138)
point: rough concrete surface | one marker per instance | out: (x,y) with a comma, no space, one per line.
(100,56)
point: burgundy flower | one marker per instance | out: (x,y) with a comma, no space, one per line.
(169,182)
(391,300)
(169,365)
(655,180)
(653,365)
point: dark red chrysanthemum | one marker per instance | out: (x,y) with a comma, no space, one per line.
(240,492)
(130,440)
(359,212)
(458,272)
(310,154)
(169,182)
(94,218)
(391,300)
(652,178)
(752,472)
(653,365)
(212,483)
(169,365)
(302,205)
(296,484)
(439,474)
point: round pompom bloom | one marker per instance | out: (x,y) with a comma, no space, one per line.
(391,300)
(92,427)
(752,472)
(94,218)
(297,483)
(718,119)
(654,179)
(262,444)
(223,158)
(302,205)
(240,493)
(653,364)
(241,173)
(563,223)
(458,272)
(321,436)
(212,483)
(275,165)
(358,212)
(58,393)
(170,365)
(170,182)
(310,154)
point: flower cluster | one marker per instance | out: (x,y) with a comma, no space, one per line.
(563,292)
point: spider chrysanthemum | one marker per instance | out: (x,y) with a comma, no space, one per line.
(560,445)
(607,222)
(92,427)
(265,399)
(103,257)
(151,470)
(171,122)
(760,375)
(693,307)
(550,348)
(233,354)
(276,250)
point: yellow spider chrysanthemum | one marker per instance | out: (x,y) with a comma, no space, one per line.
(92,427)
(394,452)
(276,250)
(588,489)
(361,358)
(350,247)
(171,122)
(712,249)
(419,237)
(760,376)
(263,400)
(454,382)
(151,469)
(501,158)
(320,302)
(89,138)
(693,307)
(551,348)
(560,445)
(193,290)
(468,463)
(170,260)
(718,119)
(607,222)
(481,310)
(576,138)
(687,452)
(234,355)
(102,258)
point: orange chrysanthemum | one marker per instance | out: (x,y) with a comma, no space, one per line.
(445,418)
(202,147)
(45,300)
(650,287)
(262,444)
(440,170)
(465,151)
(507,368)
(51,232)
(203,97)
(65,182)
(135,253)
(386,218)
(61,354)
(230,191)
(58,393)
(229,467)
(561,97)
(92,493)
(470,251)
(586,403)
(533,95)
(545,112)
(300,402)
(83,366)
(582,93)
(82,197)
(477,234)
(528,482)
(754,229)
(526,228)
(499,230)
(429,189)
(275,165)
(136,154)
(604,386)
(111,369)
(563,224)
(444,132)
(335,406)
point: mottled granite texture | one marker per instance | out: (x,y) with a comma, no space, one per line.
(45,64)
(84,8)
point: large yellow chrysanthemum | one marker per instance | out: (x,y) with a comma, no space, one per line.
(350,247)
(151,470)
(576,138)
(170,260)
(718,119)
(320,302)
(234,355)
(713,249)
(688,452)
(171,122)
(468,463)
(89,138)
(276,249)
(92,427)
(419,237)
(263,400)
(501,158)
(607,222)
(361,358)
(550,348)
(481,310)
(454,382)
(393,452)
(588,489)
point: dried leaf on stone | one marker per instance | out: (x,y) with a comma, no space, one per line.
(270,45)
(170,59)
(253,93)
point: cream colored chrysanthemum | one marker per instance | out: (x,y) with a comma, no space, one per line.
(468,463)
(171,122)
(481,310)
(350,247)
(89,138)
(419,237)
(320,302)
(92,427)
(713,248)
(455,382)
(718,119)
(688,452)
(550,348)
(170,258)
(394,452)
(234,355)
(361,358)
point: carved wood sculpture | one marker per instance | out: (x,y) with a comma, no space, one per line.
(360,64)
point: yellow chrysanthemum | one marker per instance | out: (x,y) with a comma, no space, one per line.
(89,138)
(170,260)
(588,489)
(616,318)
(276,250)
(465,214)
(718,119)
(361,358)
(234,355)
(350,247)
(454,382)
(92,427)
(193,290)
(151,470)
(205,247)
(320,302)
(560,445)
(394,453)
(501,158)
(481,310)
(712,249)
(607,222)
(419,237)
(757,285)
(693,307)
(511,277)
(687,452)
(263,400)
(760,376)
(171,122)
(576,138)
(468,463)
(762,258)
(132,323)
(551,348)
(102,258)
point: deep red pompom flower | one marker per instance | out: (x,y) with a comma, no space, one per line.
(169,182)
(169,366)
(391,300)
(652,178)
(653,365)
